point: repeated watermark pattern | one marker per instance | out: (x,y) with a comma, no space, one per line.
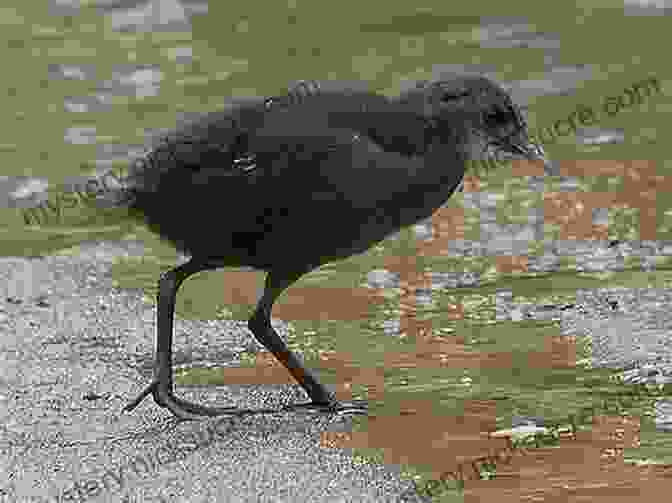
(481,467)
(85,490)
(487,462)
(147,466)
(140,467)
(51,209)
(587,116)
(485,466)
(86,193)
(583,116)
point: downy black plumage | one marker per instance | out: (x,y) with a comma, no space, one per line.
(289,183)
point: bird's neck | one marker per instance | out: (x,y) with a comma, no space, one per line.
(398,129)
(404,129)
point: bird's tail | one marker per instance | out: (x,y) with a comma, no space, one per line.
(118,187)
(114,188)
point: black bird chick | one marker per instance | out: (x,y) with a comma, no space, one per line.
(289,183)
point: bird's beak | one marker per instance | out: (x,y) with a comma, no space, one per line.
(526,149)
(533,152)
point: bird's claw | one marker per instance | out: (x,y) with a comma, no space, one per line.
(335,407)
(151,389)
(164,397)
(183,409)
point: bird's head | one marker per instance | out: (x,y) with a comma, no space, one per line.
(480,114)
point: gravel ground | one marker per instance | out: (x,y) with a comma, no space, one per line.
(630,329)
(74,349)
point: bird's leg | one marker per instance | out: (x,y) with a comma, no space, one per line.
(161,387)
(260,325)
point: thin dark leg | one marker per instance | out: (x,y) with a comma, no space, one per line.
(169,284)
(260,325)
(161,387)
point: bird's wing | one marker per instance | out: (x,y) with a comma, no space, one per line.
(297,154)
(315,162)
(220,138)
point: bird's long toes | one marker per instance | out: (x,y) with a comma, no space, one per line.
(184,409)
(352,407)
(151,389)
(335,407)
(180,408)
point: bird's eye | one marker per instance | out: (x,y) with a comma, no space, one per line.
(448,96)
(497,117)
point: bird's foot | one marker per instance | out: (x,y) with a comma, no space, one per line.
(165,397)
(151,389)
(335,407)
(183,409)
